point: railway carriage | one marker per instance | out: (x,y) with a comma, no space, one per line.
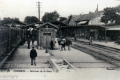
(10,37)
(15,36)
(3,39)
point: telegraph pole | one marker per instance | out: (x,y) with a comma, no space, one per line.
(39,10)
(39,25)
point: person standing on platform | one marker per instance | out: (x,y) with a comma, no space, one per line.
(33,39)
(69,43)
(63,43)
(75,37)
(90,40)
(59,43)
(30,34)
(28,42)
(51,44)
(33,55)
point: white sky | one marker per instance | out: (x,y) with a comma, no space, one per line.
(23,8)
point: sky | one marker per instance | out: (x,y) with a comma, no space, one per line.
(22,8)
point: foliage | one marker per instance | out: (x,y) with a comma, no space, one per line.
(31,19)
(62,19)
(49,17)
(118,8)
(110,14)
(8,20)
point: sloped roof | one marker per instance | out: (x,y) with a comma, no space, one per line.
(65,21)
(87,17)
(33,25)
(48,23)
(59,23)
(13,22)
(74,17)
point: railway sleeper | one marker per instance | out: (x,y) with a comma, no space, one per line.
(103,53)
(109,48)
(105,58)
(99,55)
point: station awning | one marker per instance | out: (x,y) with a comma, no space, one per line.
(58,23)
(113,27)
(33,25)
(48,23)
(87,27)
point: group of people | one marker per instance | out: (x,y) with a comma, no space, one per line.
(33,52)
(29,40)
(31,36)
(63,43)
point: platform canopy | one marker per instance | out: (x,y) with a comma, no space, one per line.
(58,23)
(34,25)
(87,27)
(48,24)
(94,27)
(12,23)
(113,27)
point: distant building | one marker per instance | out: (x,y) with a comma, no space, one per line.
(96,19)
(72,20)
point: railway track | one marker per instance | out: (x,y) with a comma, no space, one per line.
(101,46)
(108,54)
(111,51)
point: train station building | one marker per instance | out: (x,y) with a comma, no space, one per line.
(90,25)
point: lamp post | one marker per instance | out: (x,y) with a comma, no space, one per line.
(46,51)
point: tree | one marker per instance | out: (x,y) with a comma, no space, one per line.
(49,17)
(110,14)
(62,19)
(9,20)
(31,19)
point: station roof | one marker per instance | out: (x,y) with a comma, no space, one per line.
(86,17)
(48,23)
(33,25)
(89,16)
(59,23)
(95,27)
(113,27)
(87,27)
(12,22)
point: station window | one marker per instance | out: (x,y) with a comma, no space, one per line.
(48,34)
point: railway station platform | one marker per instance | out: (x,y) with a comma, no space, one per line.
(87,67)
(18,66)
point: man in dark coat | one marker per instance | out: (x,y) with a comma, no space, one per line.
(51,45)
(90,40)
(33,55)
(63,43)
(59,41)
(33,39)
(68,43)
(28,42)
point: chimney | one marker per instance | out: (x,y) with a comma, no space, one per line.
(96,8)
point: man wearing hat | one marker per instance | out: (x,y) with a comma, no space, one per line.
(33,55)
